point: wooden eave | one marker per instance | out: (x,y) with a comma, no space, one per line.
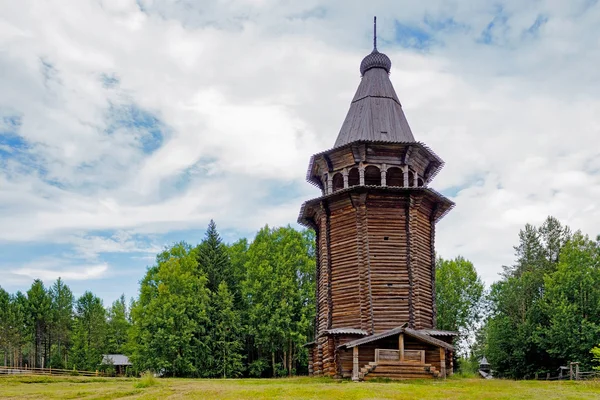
(437,332)
(345,331)
(435,162)
(446,204)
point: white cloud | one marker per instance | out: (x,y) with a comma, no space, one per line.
(246,91)
(81,273)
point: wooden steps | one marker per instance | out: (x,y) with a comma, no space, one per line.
(398,370)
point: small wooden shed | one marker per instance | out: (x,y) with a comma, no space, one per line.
(119,361)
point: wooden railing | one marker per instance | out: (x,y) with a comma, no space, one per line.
(417,356)
(387,355)
(46,371)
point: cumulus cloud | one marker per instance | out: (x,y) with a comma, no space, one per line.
(122,121)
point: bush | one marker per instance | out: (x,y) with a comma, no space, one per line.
(146,380)
(257,367)
(467,366)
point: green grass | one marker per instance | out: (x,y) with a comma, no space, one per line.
(146,380)
(292,388)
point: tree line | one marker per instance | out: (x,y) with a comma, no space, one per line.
(247,309)
(47,327)
(544,312)
(211,310)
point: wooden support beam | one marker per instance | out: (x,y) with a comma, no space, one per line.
(442,362)
(401,346)
(355,368)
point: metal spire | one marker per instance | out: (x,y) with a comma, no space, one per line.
(375,33)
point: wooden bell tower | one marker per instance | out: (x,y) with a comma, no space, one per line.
(374,223)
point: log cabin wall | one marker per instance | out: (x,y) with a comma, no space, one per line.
(322,271)
(370,253)
(345,273)
(386,236)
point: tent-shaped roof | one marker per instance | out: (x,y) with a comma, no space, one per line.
(375,112)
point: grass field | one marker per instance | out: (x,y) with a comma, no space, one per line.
(39,387)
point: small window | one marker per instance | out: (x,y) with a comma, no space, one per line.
(386,238)
(395,177)
(338,182)
(372,176)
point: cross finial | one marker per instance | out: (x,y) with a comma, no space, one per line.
(374,33)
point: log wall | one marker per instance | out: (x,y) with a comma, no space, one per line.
(375,269)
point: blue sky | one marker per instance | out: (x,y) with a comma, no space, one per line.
(127,125)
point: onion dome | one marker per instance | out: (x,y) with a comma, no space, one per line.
(375,60)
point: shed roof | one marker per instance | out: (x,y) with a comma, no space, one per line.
(437,332)
(346,331)
(417,334)
(115,359)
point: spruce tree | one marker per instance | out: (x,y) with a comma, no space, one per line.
(213,259)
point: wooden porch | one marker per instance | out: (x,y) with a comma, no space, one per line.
(401,353)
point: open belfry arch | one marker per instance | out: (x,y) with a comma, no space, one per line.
(375,232)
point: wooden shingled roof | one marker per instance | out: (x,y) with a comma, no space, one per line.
(375,112)
(417,334)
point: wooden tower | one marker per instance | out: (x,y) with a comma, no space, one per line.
(375,230)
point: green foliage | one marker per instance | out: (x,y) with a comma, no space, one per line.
(258,367)
(213,259)
(118,327)
(279,291)
(209,311)
(468,366)
(226,343)
(39,318)
(545,312)
(459,292)
(170,318)
(596,357)
(89,332)
(571,304)
(62,317)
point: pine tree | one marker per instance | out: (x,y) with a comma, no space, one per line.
(62,316)
(39,318)
(89,332)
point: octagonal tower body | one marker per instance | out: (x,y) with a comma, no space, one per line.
(374,223)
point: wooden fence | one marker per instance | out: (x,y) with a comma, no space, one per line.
(47,371)
(572,373)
